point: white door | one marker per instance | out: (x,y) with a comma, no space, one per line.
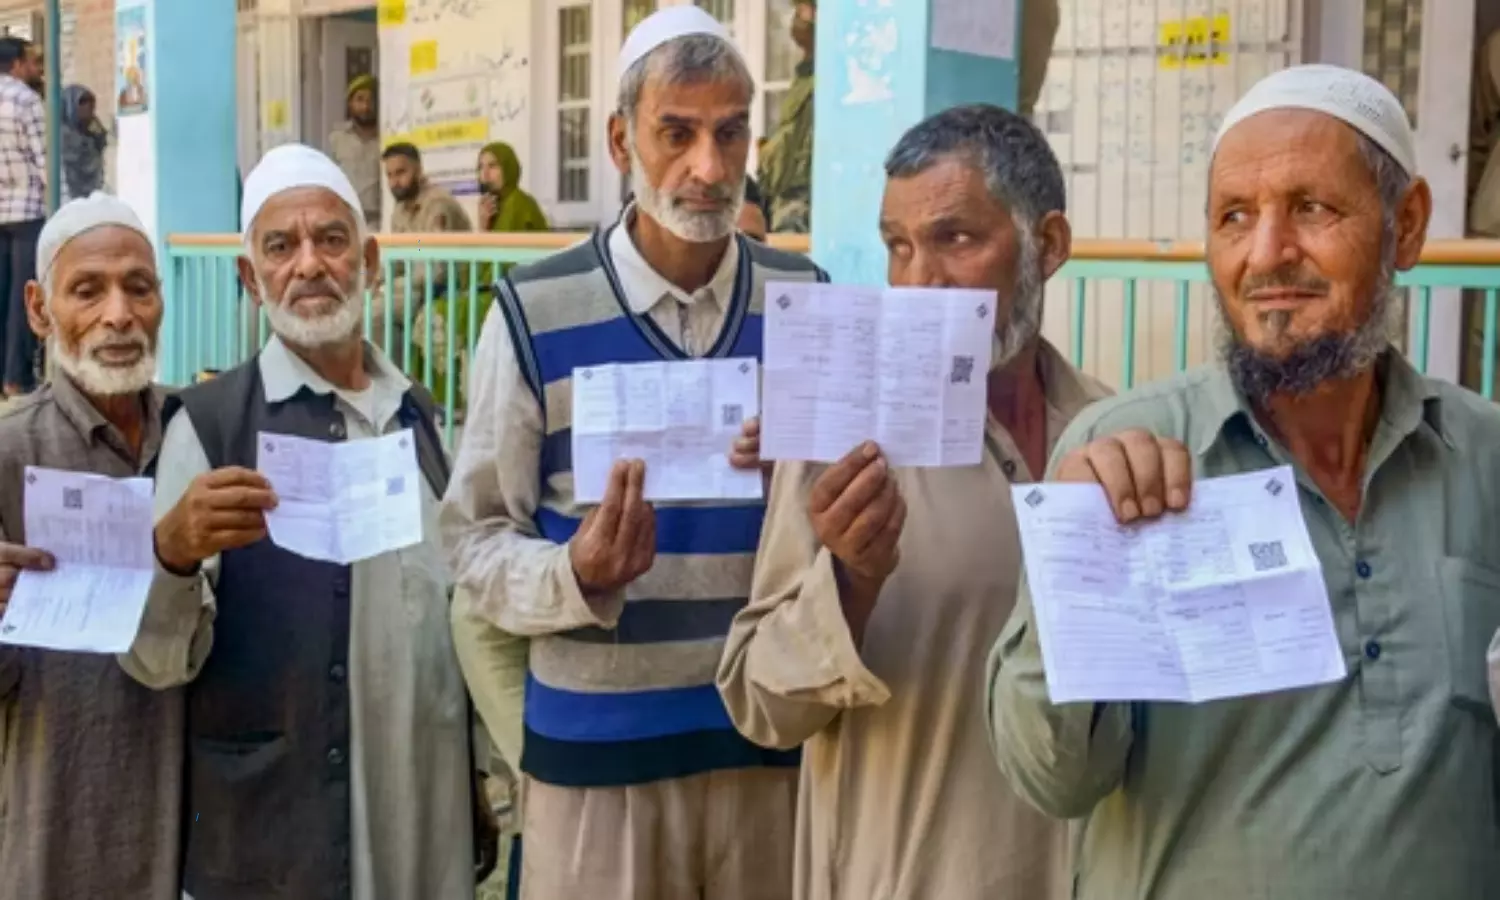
(349,49)
(1447,68)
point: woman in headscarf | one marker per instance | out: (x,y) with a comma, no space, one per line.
(503,207)
(83,141)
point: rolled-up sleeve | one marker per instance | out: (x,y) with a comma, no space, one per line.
(519,581)
(177,629)
(1063,758)
(790,664)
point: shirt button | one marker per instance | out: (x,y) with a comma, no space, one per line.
(1009,468)
(1372,650)
(336,757)
(1362,569)
(336,430)
(336,673)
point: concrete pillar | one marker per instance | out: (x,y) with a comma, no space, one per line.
(883,66)
(175,160)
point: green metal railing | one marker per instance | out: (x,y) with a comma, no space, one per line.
(430,330)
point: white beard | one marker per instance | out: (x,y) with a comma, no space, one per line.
(100,379)
(321,330)
(693,227)
(1025,321)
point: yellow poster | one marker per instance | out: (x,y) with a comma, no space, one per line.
(391,13)
(1196,42)
(424,57)
(276,115)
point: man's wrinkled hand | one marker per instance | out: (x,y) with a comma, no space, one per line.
(616,544)
(857,512)
(14,559)
(1142,475)
(221,510)
(745,454)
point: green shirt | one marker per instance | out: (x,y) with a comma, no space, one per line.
(1382,786)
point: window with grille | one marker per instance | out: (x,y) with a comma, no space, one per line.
(574,102)
(723,10)
(634,12)
(1393,48)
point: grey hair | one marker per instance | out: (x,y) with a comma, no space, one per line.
(691,59)
(1019,167)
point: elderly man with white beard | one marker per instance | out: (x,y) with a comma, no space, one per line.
(1385,783)
(878,591)
(636,784)
(328,731)
(90,761)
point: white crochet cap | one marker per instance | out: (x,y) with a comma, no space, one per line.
(1360,101)
(78,216)
(293,166)
(667,25)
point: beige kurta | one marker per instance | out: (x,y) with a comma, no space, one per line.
(900,797)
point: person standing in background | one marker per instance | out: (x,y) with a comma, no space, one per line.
(83,139)
(786,156)
(1039,21)
(503,205)
(23,205)
(355,146)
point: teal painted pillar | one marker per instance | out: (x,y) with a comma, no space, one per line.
(881,68)
(175,161)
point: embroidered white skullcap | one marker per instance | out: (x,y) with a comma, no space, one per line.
(667,25)
(1354,98)
(293,166)
(78,216)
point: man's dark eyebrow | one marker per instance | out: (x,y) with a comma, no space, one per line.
(740,118)
(678,121)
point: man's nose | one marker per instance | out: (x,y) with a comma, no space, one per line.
(708,162)
(1273,244)
(118,312)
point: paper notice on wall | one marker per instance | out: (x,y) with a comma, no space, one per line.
(978,27)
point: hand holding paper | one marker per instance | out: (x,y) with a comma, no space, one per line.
(616,544)
(98,531)
(1225,599)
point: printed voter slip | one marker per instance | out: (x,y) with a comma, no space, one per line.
(680,417)
(98,530)
(342,502)
(904,367)
(1224,600)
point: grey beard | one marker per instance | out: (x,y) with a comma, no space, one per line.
(1313,362)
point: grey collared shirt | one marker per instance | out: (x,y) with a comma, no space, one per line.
(412,798)
(90,761)
(1382,785)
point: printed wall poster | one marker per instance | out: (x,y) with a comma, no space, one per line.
(130,61)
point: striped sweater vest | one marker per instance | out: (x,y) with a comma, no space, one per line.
(635,703)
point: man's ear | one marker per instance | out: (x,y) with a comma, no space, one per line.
(248,279)
(618,142)
(1413,215)
(372,255)
(37,314)
(1056,238)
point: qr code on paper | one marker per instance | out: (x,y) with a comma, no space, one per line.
(395,487)
(72,498)
(1268,556)
(731,415)
(963,370)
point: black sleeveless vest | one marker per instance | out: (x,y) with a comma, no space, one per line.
(268,736)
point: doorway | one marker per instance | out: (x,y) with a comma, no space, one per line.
(337,49)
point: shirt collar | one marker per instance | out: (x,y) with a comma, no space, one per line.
(284,373)
(76,406)
(645,287)
(1408,400)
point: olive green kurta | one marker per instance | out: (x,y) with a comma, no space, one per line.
(1383,785)
(899,798)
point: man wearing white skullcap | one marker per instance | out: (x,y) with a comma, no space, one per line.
(328,731)
(90,762)
(637,786)
(1384,782)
